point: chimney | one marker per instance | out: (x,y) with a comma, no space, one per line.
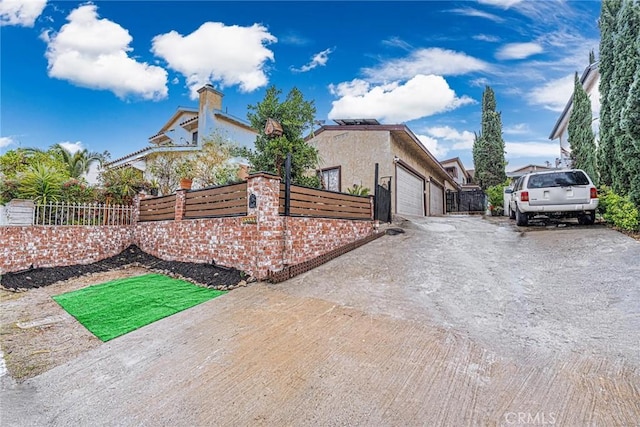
(210,98)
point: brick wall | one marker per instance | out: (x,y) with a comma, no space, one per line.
(260,242)
(50,246)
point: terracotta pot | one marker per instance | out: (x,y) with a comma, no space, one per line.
(185,183)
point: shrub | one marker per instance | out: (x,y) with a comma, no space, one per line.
(358,190)
(618,210)
(496,197)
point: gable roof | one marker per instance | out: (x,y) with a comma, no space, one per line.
(400,131)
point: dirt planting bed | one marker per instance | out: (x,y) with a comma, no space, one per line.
(209,275)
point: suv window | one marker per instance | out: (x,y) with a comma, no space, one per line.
(558,179)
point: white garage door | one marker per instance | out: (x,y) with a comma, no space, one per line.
(436,199)
(410,195)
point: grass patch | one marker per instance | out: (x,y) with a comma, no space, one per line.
(115,308)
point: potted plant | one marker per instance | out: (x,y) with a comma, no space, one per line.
(185,171)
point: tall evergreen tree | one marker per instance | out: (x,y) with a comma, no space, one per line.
(581,137)
(630,124)
(488,147)
(295,115)
(626,62)
(592,57)
(608,28)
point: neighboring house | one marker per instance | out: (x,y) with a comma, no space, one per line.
(590,81)
(349,151)
(459,173)
(188,128)
(526,169)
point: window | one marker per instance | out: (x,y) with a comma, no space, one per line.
(452,171)
(558,179)
(194,138)
(331,179)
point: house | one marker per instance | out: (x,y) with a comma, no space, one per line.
(590,81)
(188,128)
(517,173)
(350,149)
(459,173)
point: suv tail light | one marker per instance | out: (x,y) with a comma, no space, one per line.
(594,193)
(524,196)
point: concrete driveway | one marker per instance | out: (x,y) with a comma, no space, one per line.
(458,321)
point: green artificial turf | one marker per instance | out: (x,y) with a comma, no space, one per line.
(115,308)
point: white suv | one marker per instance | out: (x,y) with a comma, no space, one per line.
(558,193)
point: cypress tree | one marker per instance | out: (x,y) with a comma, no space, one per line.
(581,137)
(630,124)
(608,26)
(625,65)
(488,147)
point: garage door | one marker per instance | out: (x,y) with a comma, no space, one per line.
(410,193)
(436,199)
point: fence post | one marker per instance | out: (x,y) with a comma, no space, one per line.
(287,186)
(180,204)
(375,193)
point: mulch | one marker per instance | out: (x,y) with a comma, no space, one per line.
(209,275)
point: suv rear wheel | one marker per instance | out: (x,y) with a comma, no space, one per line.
(587,219)
(521,218)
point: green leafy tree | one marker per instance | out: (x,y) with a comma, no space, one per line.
(488,147)
(41,183)
(213,165)
(164,169)
(581,137)
(296,115)
(608,27)
(122,184)
(79,162)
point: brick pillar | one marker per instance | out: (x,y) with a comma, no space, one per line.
(135,217)
(180,204)
(268,242)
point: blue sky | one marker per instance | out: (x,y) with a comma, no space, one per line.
(106,75)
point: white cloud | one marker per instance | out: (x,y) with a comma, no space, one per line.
(227,55)
(396,42)
(518,50)
(6,141)
(421,96)
(532,149)
(517,129)
(486,38)
(469,11)
(426,61)
(72,147)
(93,53)
(433,146)
(294,39)
(21,12)
(480,81)
(504,4)
(455,139)
(319,60)
(554,95)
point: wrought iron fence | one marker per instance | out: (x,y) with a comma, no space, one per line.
(82,214)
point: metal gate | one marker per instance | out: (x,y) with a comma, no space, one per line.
(382,204)
(381,199)
(466,201)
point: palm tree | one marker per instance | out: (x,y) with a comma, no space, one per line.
(78,163)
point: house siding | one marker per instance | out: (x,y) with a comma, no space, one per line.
(357,152)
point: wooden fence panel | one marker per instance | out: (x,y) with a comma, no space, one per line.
(229,200)
(158,208)
(325,204)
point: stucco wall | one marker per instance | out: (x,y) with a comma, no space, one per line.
(357,152)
